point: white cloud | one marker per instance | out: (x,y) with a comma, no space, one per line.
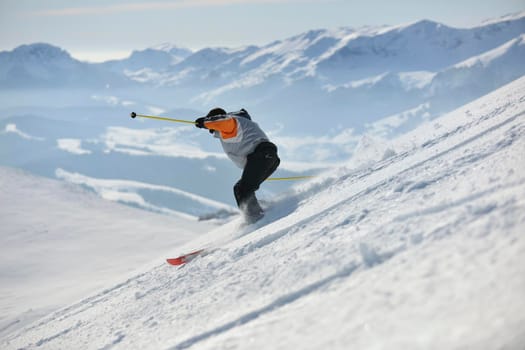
(155,110)
(11,128)
(72,146)
(170,142)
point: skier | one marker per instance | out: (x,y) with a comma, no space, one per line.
(249,148)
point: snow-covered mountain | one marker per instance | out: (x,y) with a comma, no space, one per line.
(354,75)
(46,66)
(347,54)
(423,249)
(483,73)
(420,46)
(349,74)
(158,57)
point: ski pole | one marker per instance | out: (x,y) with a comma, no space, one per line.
(134,115)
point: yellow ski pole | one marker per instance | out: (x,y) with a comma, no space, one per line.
(134,115)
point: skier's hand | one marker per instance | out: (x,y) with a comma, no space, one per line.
(199,122)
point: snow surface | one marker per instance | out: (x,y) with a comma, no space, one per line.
(489,56)
(60,242)
(423,249)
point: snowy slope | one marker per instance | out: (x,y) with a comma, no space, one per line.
(483,73)
(59,242)
(422,250)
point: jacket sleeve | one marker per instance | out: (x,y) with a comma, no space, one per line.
(225,124)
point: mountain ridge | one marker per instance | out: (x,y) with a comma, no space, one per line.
(322,66)
(384,37)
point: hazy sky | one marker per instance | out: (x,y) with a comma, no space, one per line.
(101,29)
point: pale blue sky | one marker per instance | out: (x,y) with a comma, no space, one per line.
(100,29)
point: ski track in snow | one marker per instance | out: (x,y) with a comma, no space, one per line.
(394,256)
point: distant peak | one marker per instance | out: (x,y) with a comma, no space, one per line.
(427,23)
(313,34)
(41,51)
(37,47)
(171,48)
(164,47)
(425,26)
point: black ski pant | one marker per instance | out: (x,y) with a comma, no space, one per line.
(261,163)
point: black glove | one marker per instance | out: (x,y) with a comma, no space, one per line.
(199,122)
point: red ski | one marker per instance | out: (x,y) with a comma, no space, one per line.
(183,259)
